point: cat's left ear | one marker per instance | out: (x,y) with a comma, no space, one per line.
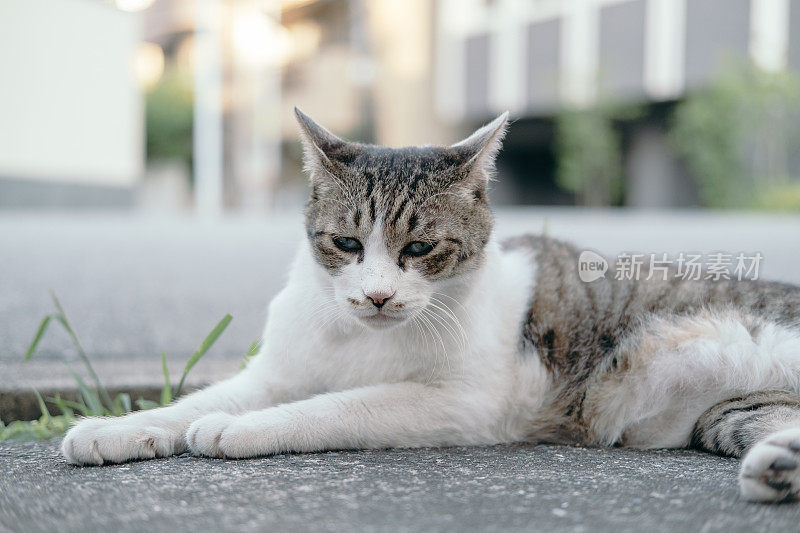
(319,145)
(480,149)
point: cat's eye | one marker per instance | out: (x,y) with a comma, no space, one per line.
(347,244)
(417,248)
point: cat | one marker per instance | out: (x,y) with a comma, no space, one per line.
(405,323)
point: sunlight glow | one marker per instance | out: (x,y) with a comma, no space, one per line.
(133,5)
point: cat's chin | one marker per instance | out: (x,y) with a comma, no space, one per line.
(382,321)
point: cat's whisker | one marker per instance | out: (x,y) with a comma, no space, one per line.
(416,323)
(429,347)
(470,322)
(449,316)
(341,186)
(438,335)
(323,308)
(338,315)
(347,207)
(460,339)
(438,304)
(467,312)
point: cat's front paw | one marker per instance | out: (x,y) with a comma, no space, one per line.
(237,437)
(770,471)
(204,434)
(97,441)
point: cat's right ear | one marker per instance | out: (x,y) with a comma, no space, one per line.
(483,145)
(318,145)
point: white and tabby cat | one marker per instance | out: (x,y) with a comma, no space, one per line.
(405,323)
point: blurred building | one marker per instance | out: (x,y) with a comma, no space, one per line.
(536,57)
(70,110)
(218,79)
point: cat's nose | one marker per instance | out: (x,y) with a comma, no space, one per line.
(378,298)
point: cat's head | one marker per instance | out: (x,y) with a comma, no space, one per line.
(393,226)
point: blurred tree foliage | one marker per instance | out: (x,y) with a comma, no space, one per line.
(588,150)
(169,118)
(739,138)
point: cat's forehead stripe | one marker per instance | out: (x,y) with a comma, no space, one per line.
(398,212)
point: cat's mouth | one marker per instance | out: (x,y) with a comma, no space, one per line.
(382,320)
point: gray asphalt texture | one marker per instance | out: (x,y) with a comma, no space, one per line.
(499,488)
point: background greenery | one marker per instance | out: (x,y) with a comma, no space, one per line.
(738,138)
(169,117)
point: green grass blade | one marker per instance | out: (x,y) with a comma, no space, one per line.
(126,402)
(35,429)
(62,405)
(68,407)
(166,390)
(62,318)
(210,339)
(90,396)
(122,404)
(38,337)
(117,410)
(254,348)
(42,407)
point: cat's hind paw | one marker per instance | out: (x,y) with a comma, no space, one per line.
(98,441)
(770,471)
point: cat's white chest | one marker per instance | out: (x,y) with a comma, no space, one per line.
(362,358)
(320,356)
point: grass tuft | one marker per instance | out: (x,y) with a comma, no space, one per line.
(94,401)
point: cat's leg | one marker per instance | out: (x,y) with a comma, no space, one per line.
(764,429)
(158,432)
(381,416)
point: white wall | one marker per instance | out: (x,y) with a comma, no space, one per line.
(70,110)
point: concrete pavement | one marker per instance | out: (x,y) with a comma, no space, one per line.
(500,488)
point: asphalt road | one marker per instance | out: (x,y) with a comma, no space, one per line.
(501,488)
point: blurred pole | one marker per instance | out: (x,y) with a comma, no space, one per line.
(664,48)
(266,146)
(207,149)
(579,45)
(450,63)
(260,154)
(769,33)
(362,69)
